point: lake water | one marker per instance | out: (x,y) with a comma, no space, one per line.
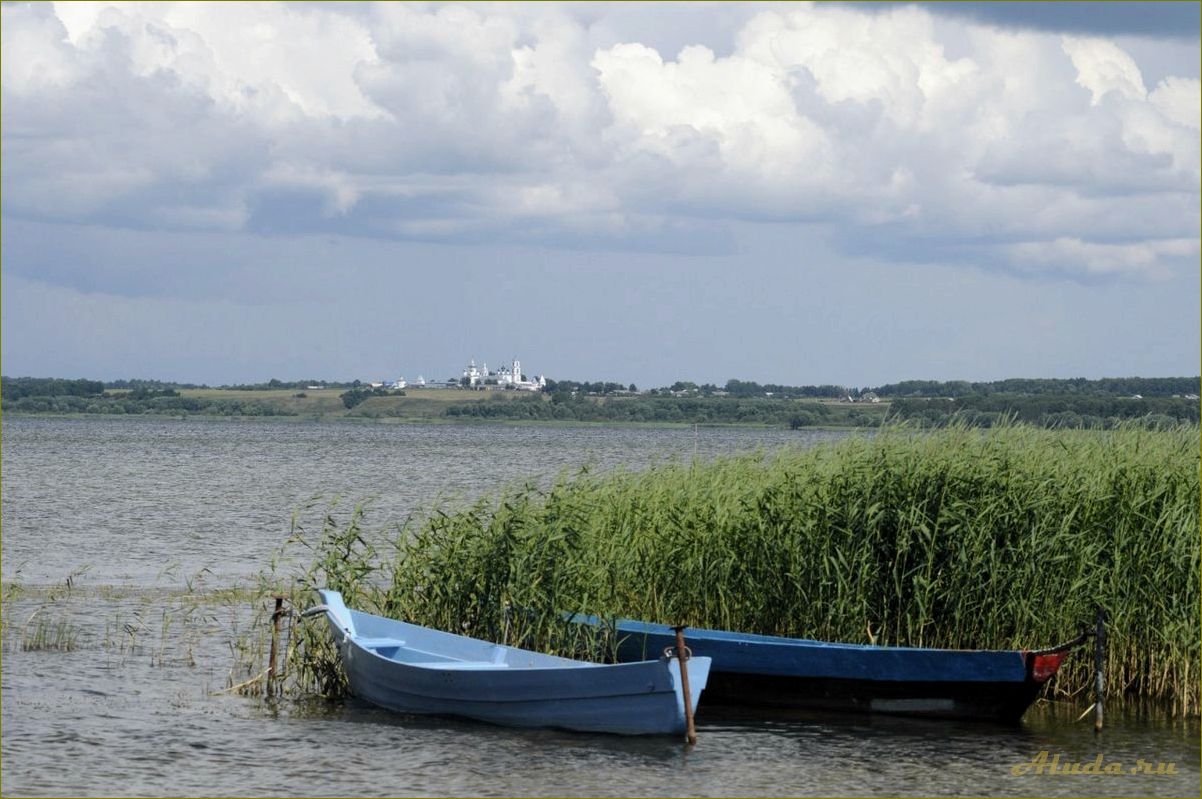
(114,525)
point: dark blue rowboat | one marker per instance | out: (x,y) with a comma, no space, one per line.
(764,670)
(413,669)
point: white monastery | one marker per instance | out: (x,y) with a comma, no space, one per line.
(505,377)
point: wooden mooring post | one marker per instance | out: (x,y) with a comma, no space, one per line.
(682,658)
(275,638)
(1099,660)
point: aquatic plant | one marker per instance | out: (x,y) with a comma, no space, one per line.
(41,634)
(1004,538)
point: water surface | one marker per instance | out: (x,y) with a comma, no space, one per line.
(116,525)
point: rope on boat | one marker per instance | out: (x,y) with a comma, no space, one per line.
(1099,636)
(1066,646)
(316,610)
(670,653)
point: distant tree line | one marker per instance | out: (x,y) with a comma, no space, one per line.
(983,411)
(1077,386)
(155,385)
(17,387)
(599,389)
(1104,387)
(645,408)
(1076,403)
(748,388)
(734,388)
(274,384)
(14,388)
(1070,411)
(357,395)
(147,392)
(269,385)
(55,395)
(126,404)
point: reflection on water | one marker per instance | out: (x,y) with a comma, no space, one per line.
(134,709)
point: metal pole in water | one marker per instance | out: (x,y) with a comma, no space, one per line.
(1098,660)
(690,730)
(275,637)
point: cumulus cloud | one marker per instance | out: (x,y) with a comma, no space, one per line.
(1074,255)
(1025,151)
(1102,67)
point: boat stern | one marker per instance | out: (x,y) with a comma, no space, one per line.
(337,612)
(699,672)
(1042,666)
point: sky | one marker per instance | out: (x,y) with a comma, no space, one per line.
(848,193)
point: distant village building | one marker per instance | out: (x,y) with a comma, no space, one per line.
(867,396)
(505,377)
(475,375)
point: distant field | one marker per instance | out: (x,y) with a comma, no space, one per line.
(428,403)
(514,406)
(447,405)
(431,403)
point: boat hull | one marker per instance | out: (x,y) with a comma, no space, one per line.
(628,699)
(999,701)
(411,669)
(788,673)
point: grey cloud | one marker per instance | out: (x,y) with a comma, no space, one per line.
(1164,19)
(462,153)
(123,149)
(1056,161)
(1086,153)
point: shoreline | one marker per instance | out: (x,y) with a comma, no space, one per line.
(458,422)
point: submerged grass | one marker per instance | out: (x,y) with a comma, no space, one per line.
(41,634)
(168,625)
(1001,538)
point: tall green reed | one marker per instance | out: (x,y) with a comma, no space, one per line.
(958,537)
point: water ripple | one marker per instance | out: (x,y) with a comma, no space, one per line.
(146,504)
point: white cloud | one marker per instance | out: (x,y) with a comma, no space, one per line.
(1180,99)
(733,114)
(890,58)
(498,121)
(33,51)
(238,53)
(1103,67)
(1074,256)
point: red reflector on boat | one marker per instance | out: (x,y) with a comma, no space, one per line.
(1044,667)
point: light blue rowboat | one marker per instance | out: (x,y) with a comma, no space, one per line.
(412,669)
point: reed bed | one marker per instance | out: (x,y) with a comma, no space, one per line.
(1000,538)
